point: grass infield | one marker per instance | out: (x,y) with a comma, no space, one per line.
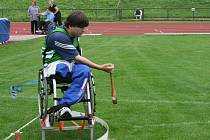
(162,85)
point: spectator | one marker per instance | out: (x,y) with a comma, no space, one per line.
(45,26)
(49,15)
(33,11)
(53,8)
(138,14)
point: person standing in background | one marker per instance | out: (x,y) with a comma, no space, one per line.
(33,12)
(53,8)
(48,24)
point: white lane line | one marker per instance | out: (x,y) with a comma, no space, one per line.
(23,37)
(91,34)
(158,101)
(171,124)
(162,33)
(18,131)
(133,101)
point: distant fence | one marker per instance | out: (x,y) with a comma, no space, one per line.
(104,14)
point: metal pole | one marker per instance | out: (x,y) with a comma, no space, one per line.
(193,13)
(43,134)
(167,12)
(91,133)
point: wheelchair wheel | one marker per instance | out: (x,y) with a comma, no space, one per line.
(51,119)
(89,106)
(42,94)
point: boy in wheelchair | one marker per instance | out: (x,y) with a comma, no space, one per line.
(62,57)
(48,24)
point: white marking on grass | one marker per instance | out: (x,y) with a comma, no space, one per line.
(25,97)
(91,34)
(171,124)
(17,131)
(28,37)
(23,37)
(158,101)
(162,33)
(133,101)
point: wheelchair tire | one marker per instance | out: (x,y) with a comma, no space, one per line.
(42,95)
(51,119)
(89,106)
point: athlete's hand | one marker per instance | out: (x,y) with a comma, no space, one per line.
(108,67)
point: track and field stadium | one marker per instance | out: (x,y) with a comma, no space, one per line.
(161,78)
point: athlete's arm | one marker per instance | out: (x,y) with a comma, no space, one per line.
(105,67)
(62,45)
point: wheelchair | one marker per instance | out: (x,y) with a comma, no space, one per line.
(46,26)
(49,89)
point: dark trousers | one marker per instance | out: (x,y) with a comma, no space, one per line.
(34,26)
(57,19)
(43,25)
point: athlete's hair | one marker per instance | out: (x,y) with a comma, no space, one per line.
(33,1)
(77,19)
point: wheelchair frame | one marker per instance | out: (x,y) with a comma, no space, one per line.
(47,91)
(46,27)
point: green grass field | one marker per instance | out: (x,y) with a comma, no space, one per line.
(162,83)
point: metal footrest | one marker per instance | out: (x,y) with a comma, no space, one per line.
(74,118)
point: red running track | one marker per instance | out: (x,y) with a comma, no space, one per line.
(128,28)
